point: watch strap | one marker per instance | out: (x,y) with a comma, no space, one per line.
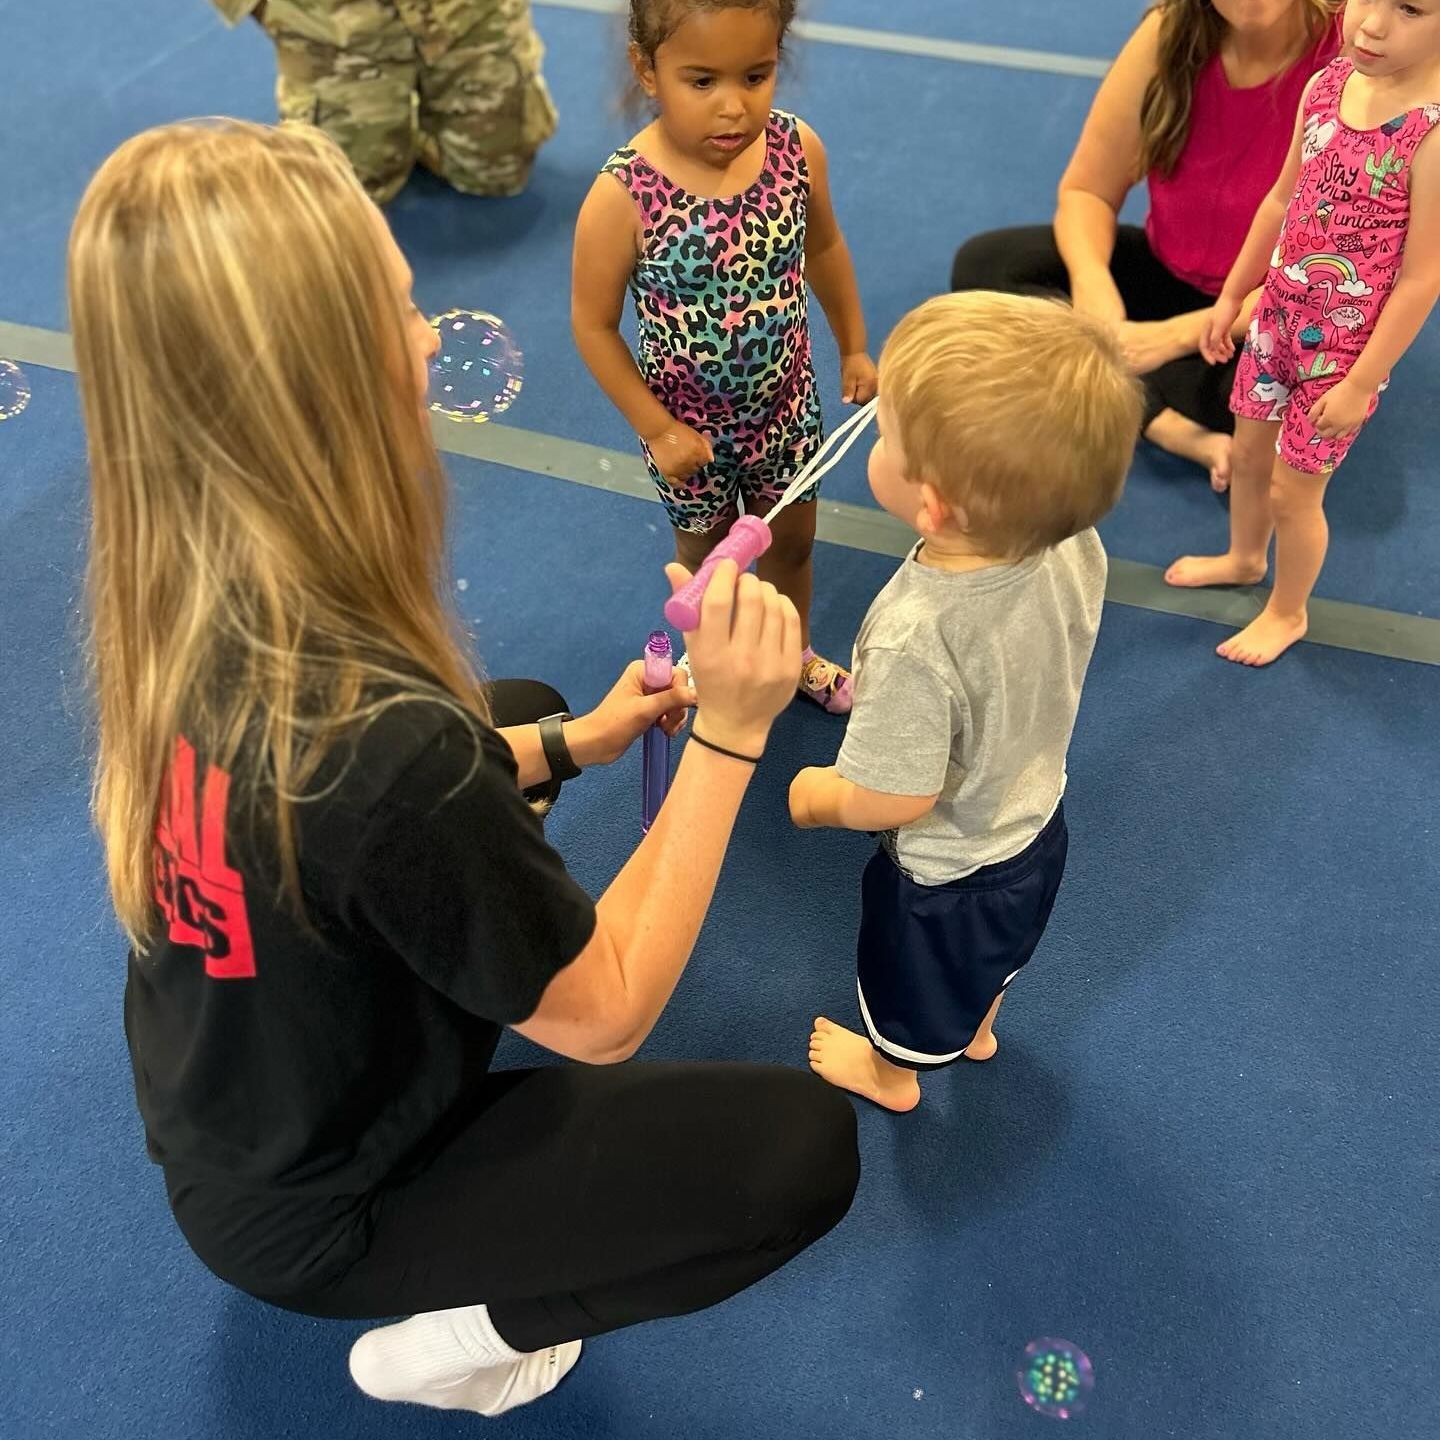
(557,752)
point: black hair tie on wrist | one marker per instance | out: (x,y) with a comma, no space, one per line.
(699,739)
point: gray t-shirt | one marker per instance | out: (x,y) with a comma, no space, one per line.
(967,684)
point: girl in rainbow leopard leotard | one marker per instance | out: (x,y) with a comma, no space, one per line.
(710,218)
(1350,283)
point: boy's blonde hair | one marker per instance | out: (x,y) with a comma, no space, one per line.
(1017,410)
(267,507)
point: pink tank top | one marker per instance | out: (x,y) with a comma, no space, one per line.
(1200,213)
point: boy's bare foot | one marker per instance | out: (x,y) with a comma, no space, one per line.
(1192,571)
(1267,637)
(850,1061)
(982,1047)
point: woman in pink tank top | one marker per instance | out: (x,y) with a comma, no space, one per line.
(1200,104)
(1346,250)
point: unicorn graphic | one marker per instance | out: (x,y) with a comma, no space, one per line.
(1267,387)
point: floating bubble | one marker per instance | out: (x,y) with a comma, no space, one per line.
(1055,1378)
(14,390)
(478,370)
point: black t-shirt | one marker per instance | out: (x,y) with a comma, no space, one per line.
(286,1071)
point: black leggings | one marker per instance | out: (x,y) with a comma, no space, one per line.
(577,1199)
(1026,260)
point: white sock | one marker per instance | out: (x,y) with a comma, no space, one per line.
(455,1360)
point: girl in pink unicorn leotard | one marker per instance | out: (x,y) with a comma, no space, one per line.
(1351,281)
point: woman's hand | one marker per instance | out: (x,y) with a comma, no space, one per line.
(1149,344)
(624,715)
(679,451)
(1095,294)
(1217,343)
(744,656)
(859,380)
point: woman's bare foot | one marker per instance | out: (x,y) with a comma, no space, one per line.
(1192,571)
(1267,637)
(1219,447)
(850,1061)
(982,1047)
(1174,433)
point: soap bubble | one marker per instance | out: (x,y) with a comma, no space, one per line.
(14,390)
(478,370)
(1055,1378)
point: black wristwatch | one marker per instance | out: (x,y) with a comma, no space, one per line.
(557,752)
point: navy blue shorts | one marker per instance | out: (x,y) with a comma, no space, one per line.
(932,958)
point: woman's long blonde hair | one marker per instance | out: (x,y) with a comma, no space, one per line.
(1190,35)
(268,510)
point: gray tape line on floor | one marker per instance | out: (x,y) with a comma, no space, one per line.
(1003,57)
(859,527)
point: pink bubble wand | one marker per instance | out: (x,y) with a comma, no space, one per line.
(750,535)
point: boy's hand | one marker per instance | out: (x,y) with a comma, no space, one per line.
(679,451)
(1341,410)
(859,380)
(1217,344)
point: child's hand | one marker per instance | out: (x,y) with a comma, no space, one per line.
(859,379)
(802,798)
(1341,410)
(679,451)
(1217,344)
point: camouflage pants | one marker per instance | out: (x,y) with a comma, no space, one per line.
(455,84)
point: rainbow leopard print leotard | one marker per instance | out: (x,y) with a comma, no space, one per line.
(724,337)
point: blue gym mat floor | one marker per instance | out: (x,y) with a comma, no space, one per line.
(1206,1152)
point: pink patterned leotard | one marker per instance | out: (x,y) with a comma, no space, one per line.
(1333,270)
(724,338)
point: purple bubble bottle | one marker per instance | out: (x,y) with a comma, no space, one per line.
(655,745)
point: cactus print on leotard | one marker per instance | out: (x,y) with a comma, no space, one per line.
(724,337)
(1333,269)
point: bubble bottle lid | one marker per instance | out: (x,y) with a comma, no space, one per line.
(658,668)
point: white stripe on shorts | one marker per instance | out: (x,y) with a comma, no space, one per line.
(899,1052)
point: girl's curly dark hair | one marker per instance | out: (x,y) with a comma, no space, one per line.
(653,22)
